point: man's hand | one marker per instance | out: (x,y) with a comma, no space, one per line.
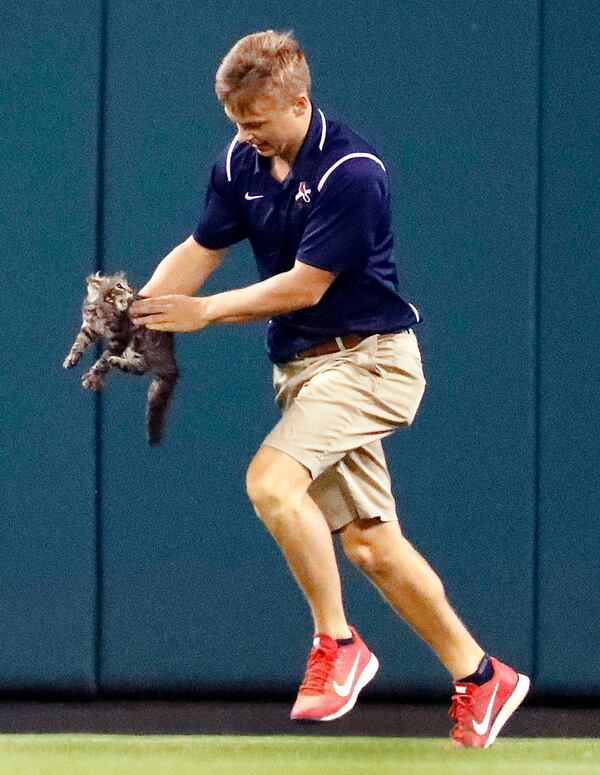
(170,313)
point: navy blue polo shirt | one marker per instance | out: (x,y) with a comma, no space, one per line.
(333,212)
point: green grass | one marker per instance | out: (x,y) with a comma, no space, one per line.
(288,755)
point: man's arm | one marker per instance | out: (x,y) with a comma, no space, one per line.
(302,286)
(183,270)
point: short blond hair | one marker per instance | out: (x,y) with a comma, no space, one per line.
(265,64)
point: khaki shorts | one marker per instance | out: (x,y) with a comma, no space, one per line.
(336,410)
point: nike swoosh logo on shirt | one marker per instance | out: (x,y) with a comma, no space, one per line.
(250,197)
(482,728)
(345,689)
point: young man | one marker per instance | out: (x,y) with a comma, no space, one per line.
(313,199)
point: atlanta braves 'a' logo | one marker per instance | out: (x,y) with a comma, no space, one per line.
(303,193)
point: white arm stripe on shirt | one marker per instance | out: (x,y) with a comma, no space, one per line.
(345,158)
(415,310)
(228,162)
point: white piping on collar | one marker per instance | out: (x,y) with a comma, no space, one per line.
(228,162)
(323,129)
(345,158)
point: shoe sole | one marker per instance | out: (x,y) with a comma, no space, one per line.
(367,675)
(509,707)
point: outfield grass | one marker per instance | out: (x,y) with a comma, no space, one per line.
(288,755)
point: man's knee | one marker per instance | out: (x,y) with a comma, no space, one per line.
(385,556)
(275,483)
(366,557)
(264,488)
(363,541)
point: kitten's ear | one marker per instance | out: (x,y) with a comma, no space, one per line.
(93,285)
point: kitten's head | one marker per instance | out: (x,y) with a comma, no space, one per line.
(112,290)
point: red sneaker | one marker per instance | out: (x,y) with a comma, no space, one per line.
(334,677)
(480,712)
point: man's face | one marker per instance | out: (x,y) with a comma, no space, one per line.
(268,126)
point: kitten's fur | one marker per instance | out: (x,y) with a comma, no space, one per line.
(131,348)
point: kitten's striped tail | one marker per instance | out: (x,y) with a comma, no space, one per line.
(159,397)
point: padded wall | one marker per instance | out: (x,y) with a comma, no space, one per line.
(164,580)
(49,59)
(569,569)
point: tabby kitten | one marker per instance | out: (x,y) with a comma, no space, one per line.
(131,348)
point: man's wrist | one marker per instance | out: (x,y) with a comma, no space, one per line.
(208,309)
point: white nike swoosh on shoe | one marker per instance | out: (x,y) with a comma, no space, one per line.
(250,197)
(345,689)
(483,727)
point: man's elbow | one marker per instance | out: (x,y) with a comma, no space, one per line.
(312,283)
(311,296)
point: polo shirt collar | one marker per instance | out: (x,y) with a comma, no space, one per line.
(309,150)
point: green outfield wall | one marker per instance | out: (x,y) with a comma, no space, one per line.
(129,569)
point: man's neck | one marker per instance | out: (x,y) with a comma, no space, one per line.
(290,153)
(280,168)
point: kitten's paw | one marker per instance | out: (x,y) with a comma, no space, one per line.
(71,360)
(91,381)
(115,361)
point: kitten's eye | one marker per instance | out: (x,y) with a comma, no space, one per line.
(120,287)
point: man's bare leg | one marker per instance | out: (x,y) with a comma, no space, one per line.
(413,589)
(277,486)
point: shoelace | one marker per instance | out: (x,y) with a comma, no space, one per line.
(461,707)
(320,665)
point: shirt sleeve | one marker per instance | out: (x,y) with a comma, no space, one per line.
(222,222)
(342,229)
